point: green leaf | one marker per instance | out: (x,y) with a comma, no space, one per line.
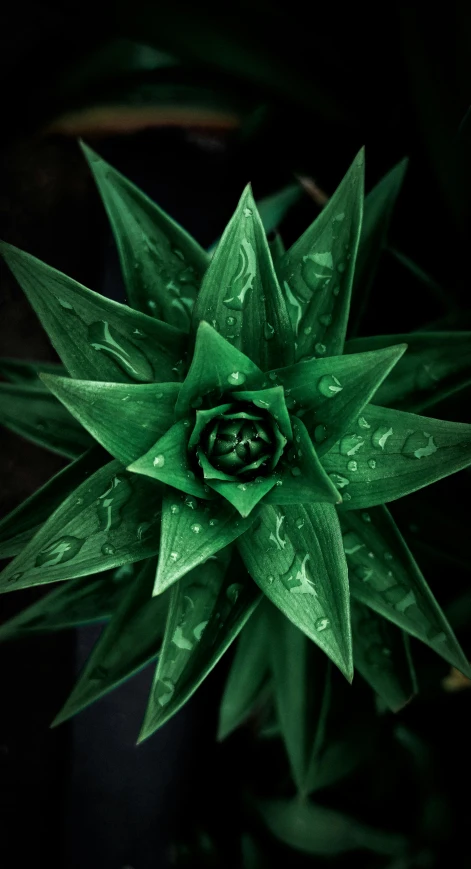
(208,608)
(80,601)
(295,555)
(217,367)
(131,639)
(316,273)
(126,419)
(297,664)
(192,532)
(112,518)
(21,524)
(330,394)
(381,654)
(96,338)
(168,461)
(23,371)
(384,576)
(271,400)
(274,208)
(243,496)
(392,453)
(436,365)
(162,264)
(377,213)
(314,829)
(248,673)
(240,295)
(300,475)
(34,413)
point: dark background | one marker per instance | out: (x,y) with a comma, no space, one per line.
(286,95)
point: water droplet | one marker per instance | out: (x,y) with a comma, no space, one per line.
(191,503)
(231,321)
(268,331)
(159,461)
(380,436)
(336,291)
(329,386)
(341,267)
(320,348)
(339,481)
(186,423)
(340,216)
(164,690)
(350,444)
(233,591)
(307,330)
(279,482)
(362,422)
(198,631)
(352,543)
(110,504)
(236,378)
(174,509)
(299,523)
(352,465)
(364,573)
(196,528)
(60,550)
(346,497)
(372,464)
(79,501)
(366,517)
(108,549)
(127,356)
(325,319)
(316,268)
(247,212)
(180,641)
(174,556)
(213,522)
(243,279)
(322,624)
(320,433)
(388,556)
(419,445)
(296,580)
(270,579)
(65,304)
(296,472)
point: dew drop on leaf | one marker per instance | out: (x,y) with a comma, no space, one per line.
(366,517)
(322,624)
(174,556)
(339,481)
(350,444)
(320,433)
(329,386)
(363,423)
(268,331)
(352,465)
(213,522)
(296,472)
(174,509)
(198,631)
(231,321)
(159,461)
(388,556)
(108,549)
(59,551)
(236,378)
(299,522)
(307,330)
(196,528)
(380,436)
(65,304)
(419,445)
(372,464)
(364,573)
(320,348)
(164,691)
(325,319)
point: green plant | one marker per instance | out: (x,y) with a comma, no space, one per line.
(253,453)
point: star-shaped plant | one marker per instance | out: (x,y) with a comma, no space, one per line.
(248,459)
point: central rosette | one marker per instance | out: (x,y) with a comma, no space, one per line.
(240,443)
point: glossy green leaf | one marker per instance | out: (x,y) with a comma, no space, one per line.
(21,524)
(384,576)
(162,264)
(436,365)
(377,213)
(96,338)
(131,639)
(314,829)
(381,654)
(26,371)
(126,419)
(295,555)
(112,518)
(302,684)
(80,601)
(316,273)
(248,673)
(240,295)
(169,462)
(192,532)
(208,608)
(391,453)
(244,496)
(329,394)
(217,367)
(300,475)
(33,413)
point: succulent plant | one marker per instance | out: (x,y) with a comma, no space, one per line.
(252,454)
